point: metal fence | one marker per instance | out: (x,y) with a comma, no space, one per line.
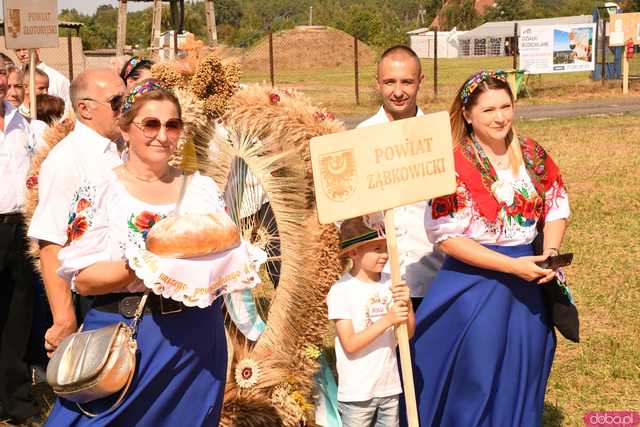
(305,57)
(68,58)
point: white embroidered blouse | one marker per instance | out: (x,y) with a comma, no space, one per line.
(516,220)
(106,222)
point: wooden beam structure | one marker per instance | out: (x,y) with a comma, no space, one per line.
(156,28)
(212,34)
(122,28)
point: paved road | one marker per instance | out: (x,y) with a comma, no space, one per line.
(541,112)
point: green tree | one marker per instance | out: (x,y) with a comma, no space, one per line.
(460,14)
(506,10)
(104,23)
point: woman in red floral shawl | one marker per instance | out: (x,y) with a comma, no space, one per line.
(484,344)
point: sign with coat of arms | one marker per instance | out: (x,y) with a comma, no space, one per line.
(382,167)
(30,23)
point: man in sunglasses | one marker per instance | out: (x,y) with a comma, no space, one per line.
(88,151)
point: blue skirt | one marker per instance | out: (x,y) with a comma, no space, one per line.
(180,375)
(483,348)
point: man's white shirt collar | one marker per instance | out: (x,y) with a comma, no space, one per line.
(381,115)
(9,114)
(94,137)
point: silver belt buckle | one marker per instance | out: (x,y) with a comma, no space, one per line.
(168,310)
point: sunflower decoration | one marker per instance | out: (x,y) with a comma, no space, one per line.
(247,373)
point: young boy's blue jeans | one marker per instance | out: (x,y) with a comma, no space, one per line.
(378,412)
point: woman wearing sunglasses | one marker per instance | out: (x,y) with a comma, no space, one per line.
(182,352)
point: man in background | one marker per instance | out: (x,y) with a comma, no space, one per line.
(17,275)
(41,87)
(89,150)
(58,83)
(398,80)
(15,86)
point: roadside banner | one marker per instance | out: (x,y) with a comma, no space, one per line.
(557,48)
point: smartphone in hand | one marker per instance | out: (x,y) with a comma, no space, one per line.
(555,262)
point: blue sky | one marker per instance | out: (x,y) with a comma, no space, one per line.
(88,7)
(560,40)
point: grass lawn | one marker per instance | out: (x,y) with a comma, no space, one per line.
(600,161)
(334,88)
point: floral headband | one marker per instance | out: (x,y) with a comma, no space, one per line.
(132,64)
(146,86)
(473,83)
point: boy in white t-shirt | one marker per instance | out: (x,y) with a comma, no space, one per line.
(360,304)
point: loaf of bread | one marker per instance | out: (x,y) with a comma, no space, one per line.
(192,235)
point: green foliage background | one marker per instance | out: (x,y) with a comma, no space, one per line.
(379,23)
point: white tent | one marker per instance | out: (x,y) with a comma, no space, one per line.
(423,43)
(497,38)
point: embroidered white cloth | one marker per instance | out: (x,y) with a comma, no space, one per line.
(83,155)
(515,225)
(106,220)
(198,281)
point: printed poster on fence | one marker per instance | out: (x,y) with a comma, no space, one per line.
(557,48)
(30,23)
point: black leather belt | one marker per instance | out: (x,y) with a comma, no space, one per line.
(127,303)
(11,218)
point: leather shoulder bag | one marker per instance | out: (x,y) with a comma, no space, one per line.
(91,365)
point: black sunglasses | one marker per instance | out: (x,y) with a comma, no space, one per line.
(115,102)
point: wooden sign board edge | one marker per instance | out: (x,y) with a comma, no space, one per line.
(326,219)
(20,46)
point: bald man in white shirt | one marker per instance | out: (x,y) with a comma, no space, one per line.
(398,80)
(89,150)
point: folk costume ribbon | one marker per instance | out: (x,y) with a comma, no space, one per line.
(479,175)
(132,65)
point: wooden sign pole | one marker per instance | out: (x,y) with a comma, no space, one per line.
(32,84)
(402,333)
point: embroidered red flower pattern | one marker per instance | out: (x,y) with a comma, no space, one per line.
(143,222)
(81,205)
(77,228)
(529,209)
(32,182)
(274,98)
(517,206)
(443,206)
